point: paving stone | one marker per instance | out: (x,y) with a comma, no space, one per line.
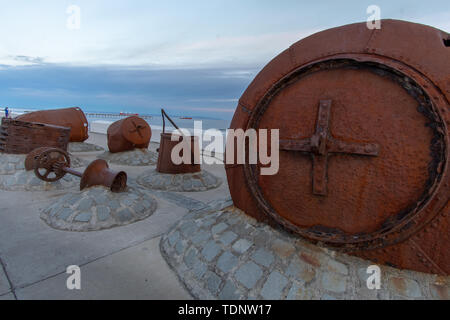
(200,237)
(179,247)
(338,267)
(191,257)
(103,213)
(227,261)
(213,281)
(263,257)
(440,292)
(173,238)
(101,199)
(334,282)
(328,297)
(300,270)
(229,292)
(65,214)
(282,248)
(114,205)
(405,287)
(219,228)
(125,214)
(211,250)
(188,228)
(228,237)
(274,285)
(242,245)
(248,274)
(299,292)
(85,204)
(199,269)
(83,217)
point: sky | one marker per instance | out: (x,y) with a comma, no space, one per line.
(194,58)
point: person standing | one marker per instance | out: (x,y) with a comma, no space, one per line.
(6,112)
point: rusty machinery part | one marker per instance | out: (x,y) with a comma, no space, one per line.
(364,143)
(129,133)
(165,164)
(98,173)
(51,164)
(74,118)
(22,137)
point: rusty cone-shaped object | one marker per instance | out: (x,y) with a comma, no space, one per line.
(165,163)
(364,120)
(129,133)
(51,164)
(74,118)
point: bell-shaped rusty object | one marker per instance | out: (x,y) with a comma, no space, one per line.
(98,173)
(74,118)
(167,144)
(129,133)
(51,164)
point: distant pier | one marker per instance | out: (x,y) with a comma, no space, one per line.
(114,115)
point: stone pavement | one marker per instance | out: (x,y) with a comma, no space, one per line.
(83,147)
(186,182)
(224,254)
(24,180)
(136,157)
(98,208)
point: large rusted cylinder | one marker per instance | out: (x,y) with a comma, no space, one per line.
(165,163)
(73,118)
(129,133)
(363,118)
(22,137)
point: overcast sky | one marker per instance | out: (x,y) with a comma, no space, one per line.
(194,57)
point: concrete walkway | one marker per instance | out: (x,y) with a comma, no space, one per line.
(119,263)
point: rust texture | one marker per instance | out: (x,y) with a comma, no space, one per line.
(165,164)
(74,118)
(129,133)
(21,137)
(51,164)
(364,121)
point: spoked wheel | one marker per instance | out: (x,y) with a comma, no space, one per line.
(49,164)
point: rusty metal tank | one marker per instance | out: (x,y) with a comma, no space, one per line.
(165,163)
(74,118)
(129,133)
(21,137)
(363,118)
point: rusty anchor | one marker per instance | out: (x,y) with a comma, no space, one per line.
(51,164)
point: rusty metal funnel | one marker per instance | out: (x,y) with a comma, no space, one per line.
(98,173)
